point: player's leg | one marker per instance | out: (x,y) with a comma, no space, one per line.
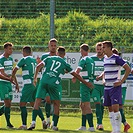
(41,93)
(48,109)
(56,104)
(82,100)
(27,96)
(7,112)
(35,113)
(6,95)
(116,100)
(107,102)
(126,125)
(40,113)
(89,116)
(23,115)
(96,95)
(55,98)
(83,121)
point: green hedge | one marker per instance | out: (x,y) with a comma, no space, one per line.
(92,8)
(72,30)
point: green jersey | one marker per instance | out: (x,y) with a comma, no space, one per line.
(99,68)
(87,65)
(7,65)
(55,67)
(28,65)
(45,56)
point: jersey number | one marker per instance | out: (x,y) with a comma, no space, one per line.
(33,67)
(55,66)
(92,71)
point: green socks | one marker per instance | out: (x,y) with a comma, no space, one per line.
(24,115)
(84,120)
(34,114)
(40,114)
(47,109)
(102,109)
(7,115)
(98,113)
(89,117)
(122,116)
(55,119)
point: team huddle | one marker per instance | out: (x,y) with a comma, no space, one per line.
(102,78)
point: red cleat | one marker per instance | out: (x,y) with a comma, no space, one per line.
(126,127)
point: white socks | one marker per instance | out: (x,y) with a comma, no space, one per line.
(111,117)
(115,119)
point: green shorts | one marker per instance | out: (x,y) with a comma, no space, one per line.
(51,89)
(28,93)
(124,89)
(5,90)
(97,93)
(84,93)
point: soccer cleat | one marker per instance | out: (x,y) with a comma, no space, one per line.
(22,127)
(48,124)
(100,127)
(44,125)
(91,129)
(126,127)
(32,126)
(10,126)
(82,128)
(55,128)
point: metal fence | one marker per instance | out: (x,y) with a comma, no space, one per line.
(32,9)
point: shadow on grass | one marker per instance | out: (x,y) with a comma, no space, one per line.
(49,130)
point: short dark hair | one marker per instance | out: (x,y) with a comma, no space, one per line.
(99,44)
(85,47)
(53,40)
(115,51)
(7,44)
(27,49)
(108,43)
(61,50)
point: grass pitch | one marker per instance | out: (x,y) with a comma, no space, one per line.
(68,122)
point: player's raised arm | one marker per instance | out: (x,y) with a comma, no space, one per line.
(77,71)
(89,84)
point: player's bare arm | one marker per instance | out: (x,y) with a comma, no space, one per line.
(13,77)
(38,68)
(76,71)
(127,72)
(88,84)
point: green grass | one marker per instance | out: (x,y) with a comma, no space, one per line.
(68,122)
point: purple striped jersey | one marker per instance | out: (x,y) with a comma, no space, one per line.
(112,65)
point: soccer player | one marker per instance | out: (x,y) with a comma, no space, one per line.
(97,93)
(6,66)
(124,89)
(52,45)
(112,82)
(28,65)
(54,68)
(86,70)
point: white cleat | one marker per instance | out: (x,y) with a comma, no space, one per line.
(91,129)
(32,126)
(82,128)
(55,128)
